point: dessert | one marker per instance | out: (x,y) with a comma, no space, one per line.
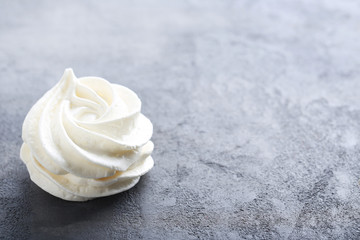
(86,138)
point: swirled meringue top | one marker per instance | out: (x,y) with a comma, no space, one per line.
(86,138)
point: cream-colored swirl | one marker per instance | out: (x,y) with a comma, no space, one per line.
(86,138)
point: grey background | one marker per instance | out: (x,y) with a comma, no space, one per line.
(255,106)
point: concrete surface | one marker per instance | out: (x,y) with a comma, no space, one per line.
(255,106)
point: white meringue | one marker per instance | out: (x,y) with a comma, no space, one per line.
(86,138)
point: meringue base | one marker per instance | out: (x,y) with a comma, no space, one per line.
(72,188)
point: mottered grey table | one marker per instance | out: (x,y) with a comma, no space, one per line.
(255,106)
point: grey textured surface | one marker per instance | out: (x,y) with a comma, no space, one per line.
(255,106)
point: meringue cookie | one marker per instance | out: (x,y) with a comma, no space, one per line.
(86,138)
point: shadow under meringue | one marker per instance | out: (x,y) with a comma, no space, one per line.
(53,217)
